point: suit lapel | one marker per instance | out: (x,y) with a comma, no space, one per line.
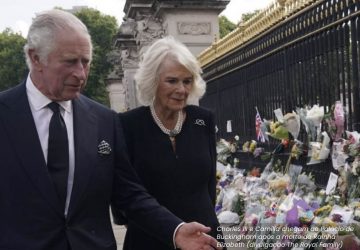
(22,131)
(85,139)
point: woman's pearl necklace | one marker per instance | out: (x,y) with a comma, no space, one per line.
(172,133)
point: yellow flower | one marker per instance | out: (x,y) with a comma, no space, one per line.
(323,211)
(245,146)
(252,146)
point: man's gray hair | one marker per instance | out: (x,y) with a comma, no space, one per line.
(147,75)
(43,32)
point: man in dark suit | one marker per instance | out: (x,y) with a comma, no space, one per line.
(62,157)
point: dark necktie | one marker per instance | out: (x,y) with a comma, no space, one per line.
(58,152)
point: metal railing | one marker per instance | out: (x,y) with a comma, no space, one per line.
(310,57)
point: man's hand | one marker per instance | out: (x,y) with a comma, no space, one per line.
(192,236)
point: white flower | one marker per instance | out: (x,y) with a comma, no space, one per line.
(353,136)
(236,161)
(354,166)
(232,148)
(292,124)
(315,114)
(312,118)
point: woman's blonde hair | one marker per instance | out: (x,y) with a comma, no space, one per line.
(147,74)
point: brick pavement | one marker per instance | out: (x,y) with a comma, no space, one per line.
(119,232)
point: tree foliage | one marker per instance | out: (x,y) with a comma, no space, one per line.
(102,29)
(247,16)
(12,60)
(225,26)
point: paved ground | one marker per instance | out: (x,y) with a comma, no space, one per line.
(119,232)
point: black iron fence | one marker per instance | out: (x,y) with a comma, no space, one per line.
(309,58)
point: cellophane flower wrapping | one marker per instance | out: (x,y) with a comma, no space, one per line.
(335,121)
(338,156)
(316,115)
(294,172)
(319,151)
(339,118)
(292,124)
(278,131)
(308,124)
(226,151)
(311,118)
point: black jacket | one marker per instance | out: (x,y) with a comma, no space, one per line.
(30,215)
(182,181)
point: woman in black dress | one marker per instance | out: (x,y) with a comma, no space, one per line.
(171,143)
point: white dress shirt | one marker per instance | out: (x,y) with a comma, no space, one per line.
(42,115)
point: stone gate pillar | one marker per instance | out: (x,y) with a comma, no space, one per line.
(114,84)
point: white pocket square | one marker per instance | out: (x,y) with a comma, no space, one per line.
(104,148)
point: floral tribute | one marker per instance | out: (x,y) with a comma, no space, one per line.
(283,202)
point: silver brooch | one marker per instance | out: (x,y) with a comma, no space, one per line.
(200,122)
(104,148)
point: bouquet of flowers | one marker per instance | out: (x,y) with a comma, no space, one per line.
(335,120)
(283,195)
(226,151)
(311,118)
(319,151)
